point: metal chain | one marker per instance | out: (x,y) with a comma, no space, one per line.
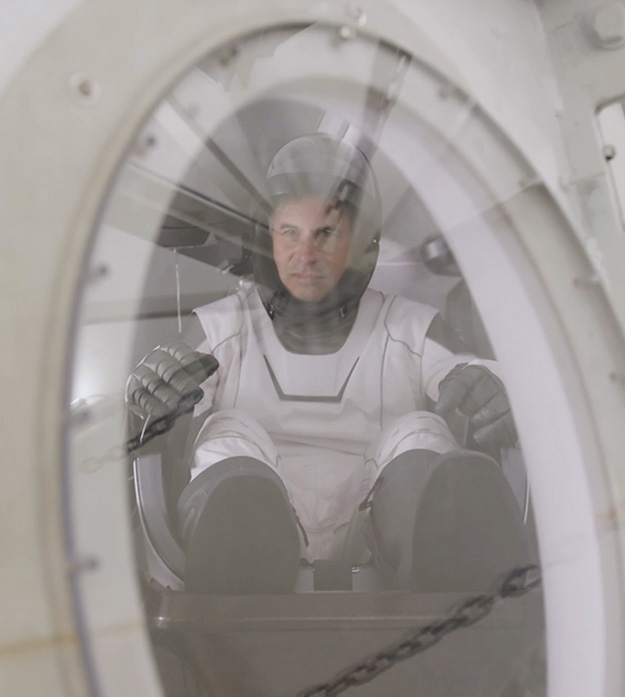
(518,582)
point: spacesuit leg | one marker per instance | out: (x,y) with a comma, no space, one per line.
(443,521)
(238,526)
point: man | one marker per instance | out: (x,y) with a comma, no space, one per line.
(325,435)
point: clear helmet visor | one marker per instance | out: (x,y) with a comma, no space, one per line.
(319,244)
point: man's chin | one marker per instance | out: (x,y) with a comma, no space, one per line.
(308,294)
(309,297)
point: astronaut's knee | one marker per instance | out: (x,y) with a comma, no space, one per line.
(416,431)
(228,435)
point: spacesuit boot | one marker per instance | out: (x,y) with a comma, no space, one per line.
(238,530)
(444,523)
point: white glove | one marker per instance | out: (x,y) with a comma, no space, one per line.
(168,379)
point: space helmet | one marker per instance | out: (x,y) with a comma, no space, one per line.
(319,165)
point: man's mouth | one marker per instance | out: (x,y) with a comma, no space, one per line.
(307,277)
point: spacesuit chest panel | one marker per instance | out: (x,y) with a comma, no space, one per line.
(326,401)
(342,399)
(335,400)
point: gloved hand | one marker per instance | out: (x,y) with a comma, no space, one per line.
(168,379)
(479,394)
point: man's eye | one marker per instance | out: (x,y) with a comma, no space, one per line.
(328,231)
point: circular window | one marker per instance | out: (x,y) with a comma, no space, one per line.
(315,362)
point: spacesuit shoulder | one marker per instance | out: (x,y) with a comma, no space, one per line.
(407,321)
(222,320)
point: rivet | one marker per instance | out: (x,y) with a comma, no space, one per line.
(83,90)
(609,25)
(356,13)
(346,33)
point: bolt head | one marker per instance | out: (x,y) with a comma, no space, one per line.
(346,33)
(84,91)
(355,12)
(609,24)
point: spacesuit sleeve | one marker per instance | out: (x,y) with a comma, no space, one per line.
(442,351)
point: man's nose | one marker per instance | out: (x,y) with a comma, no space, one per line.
(307,249)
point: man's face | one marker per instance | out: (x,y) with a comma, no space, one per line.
(310,246)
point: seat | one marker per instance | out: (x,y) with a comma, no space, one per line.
(160,556)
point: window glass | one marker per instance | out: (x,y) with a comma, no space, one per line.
(288,347)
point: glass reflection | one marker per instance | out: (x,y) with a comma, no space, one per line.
(329,400)
(315,404)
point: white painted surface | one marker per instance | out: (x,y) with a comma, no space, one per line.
(54,168)
(25,24)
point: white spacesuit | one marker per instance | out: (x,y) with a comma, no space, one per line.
(320,414)
(328,424)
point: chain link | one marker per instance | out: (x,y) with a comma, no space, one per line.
(516,583)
